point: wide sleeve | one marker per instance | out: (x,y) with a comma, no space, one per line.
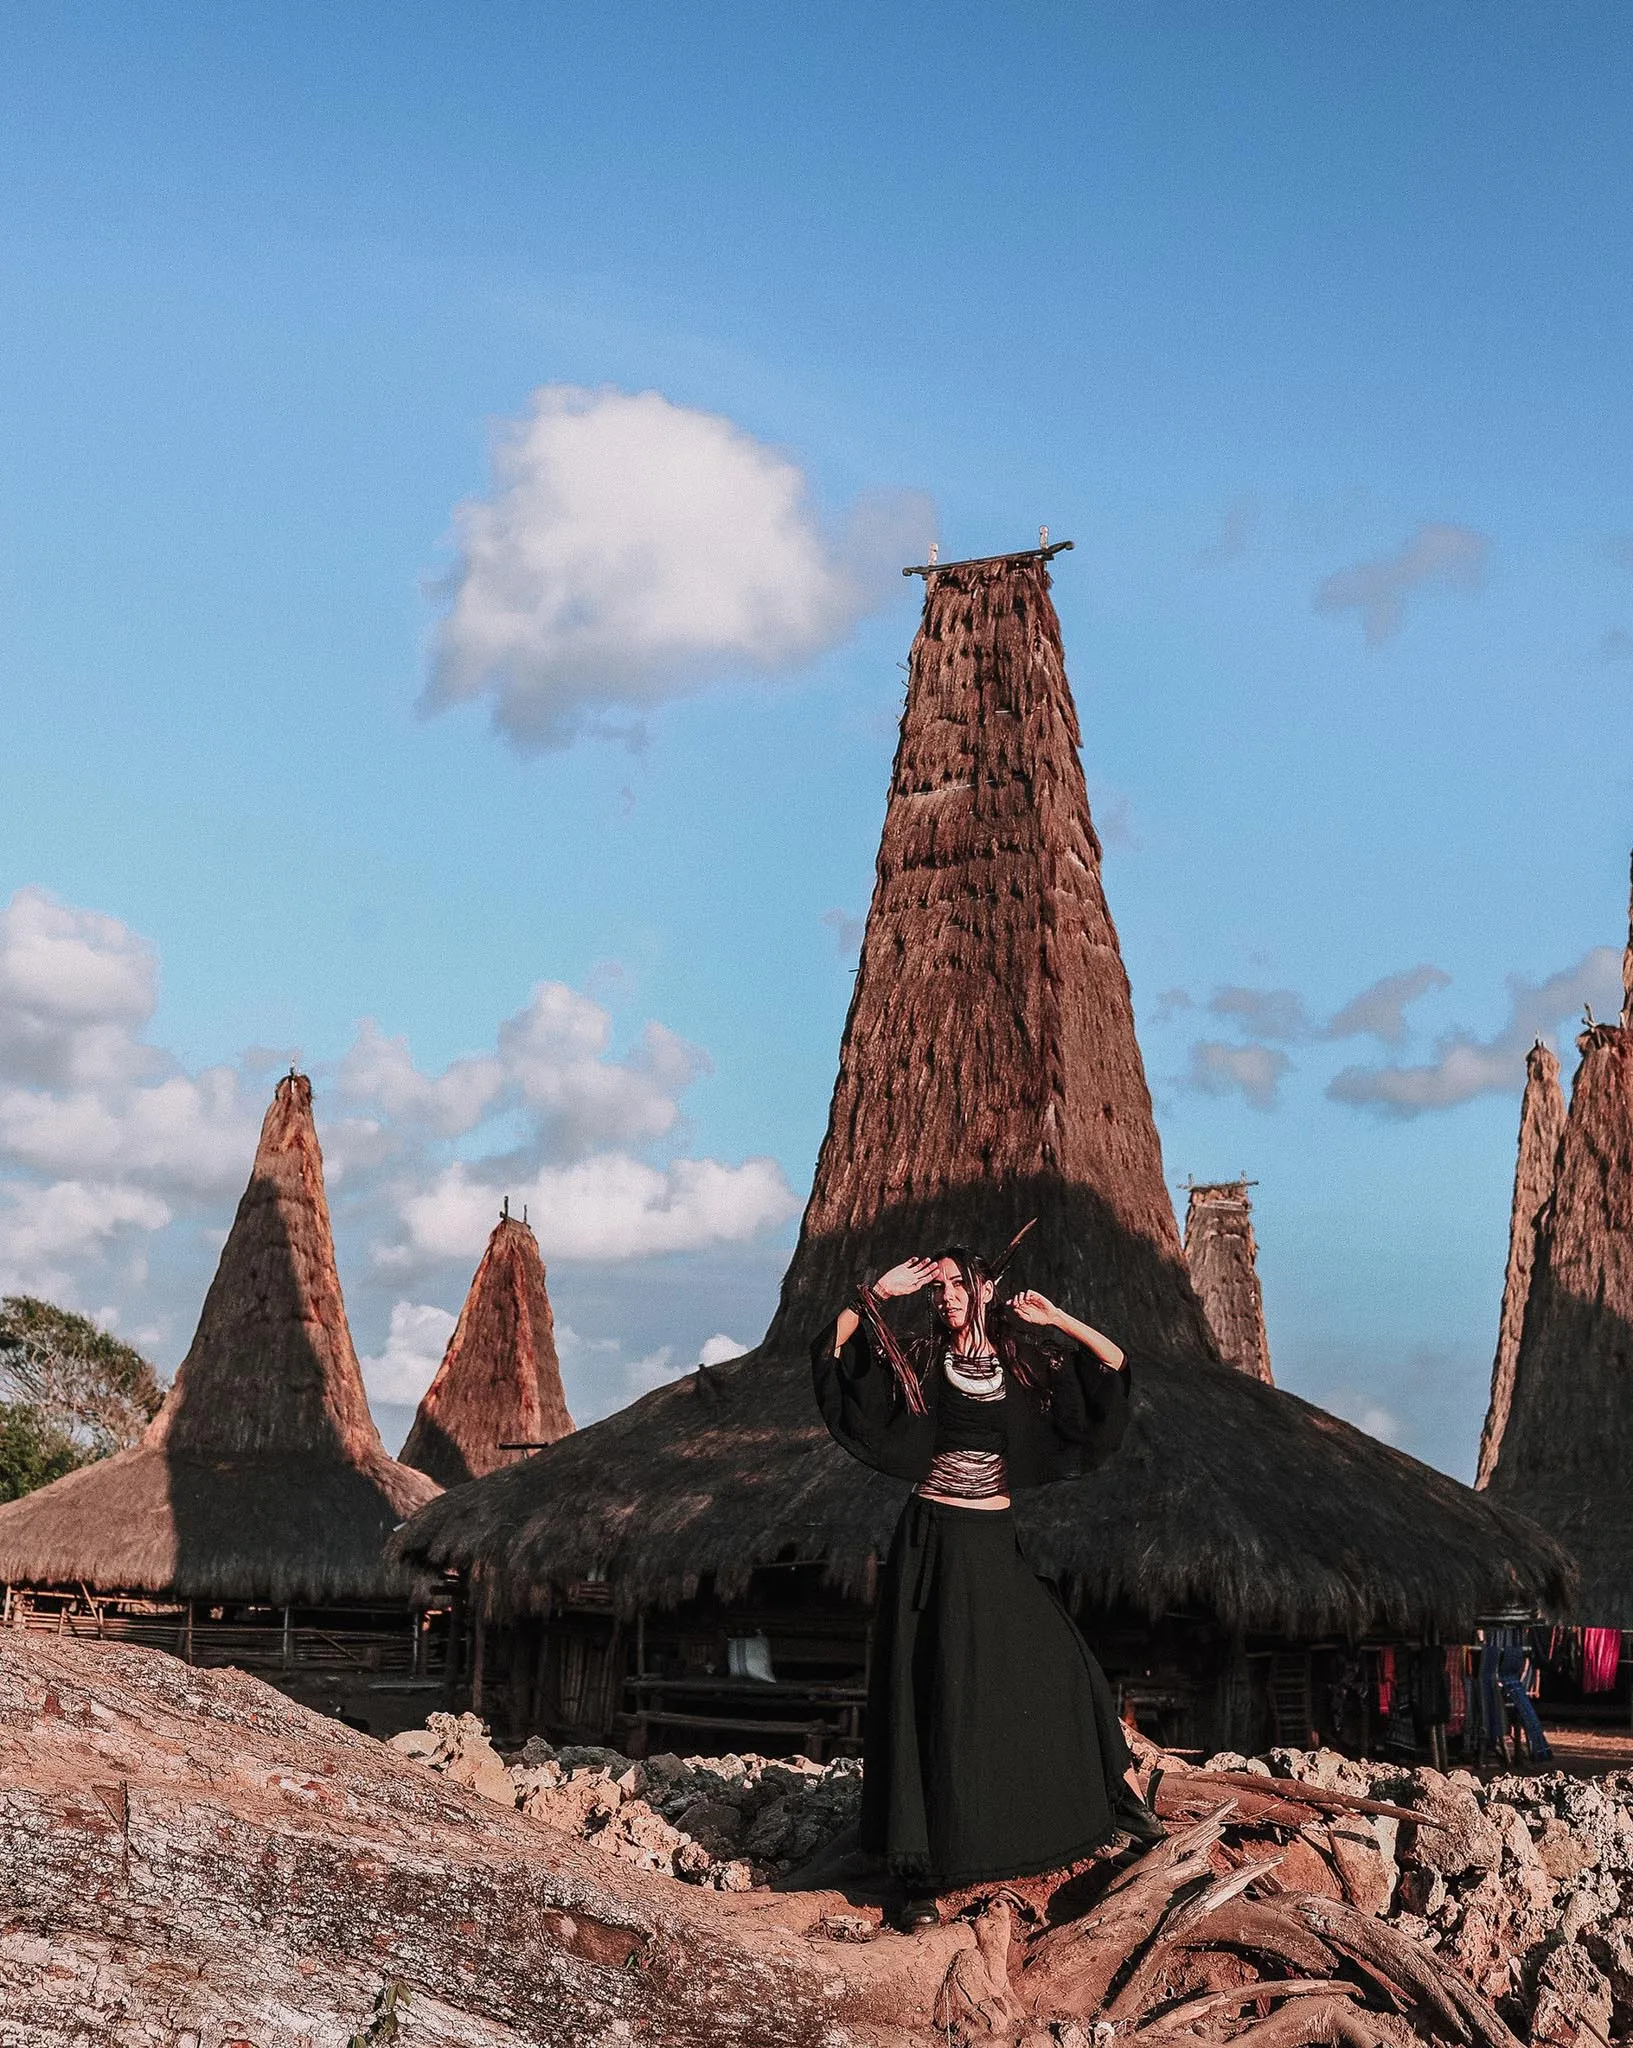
(1089,1403)
(857,1396)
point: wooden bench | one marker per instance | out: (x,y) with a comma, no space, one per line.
(819,1714)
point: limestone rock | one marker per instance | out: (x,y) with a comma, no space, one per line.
(1564,1853)
(1464,1839)
(1573,2001)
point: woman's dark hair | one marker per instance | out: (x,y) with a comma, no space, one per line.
(995,1321)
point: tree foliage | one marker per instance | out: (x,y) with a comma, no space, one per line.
(69,1387)
(31,1452)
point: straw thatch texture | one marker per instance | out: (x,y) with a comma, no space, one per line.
(990,1073)
(263,1475)
(1542,1125)
(1223,1254)
(499,1381)
(1567,1451)
(989,1070)
(1228,1497)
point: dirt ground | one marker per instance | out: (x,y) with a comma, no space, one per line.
(1588,1751)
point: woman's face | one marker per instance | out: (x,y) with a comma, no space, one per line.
(951,1298)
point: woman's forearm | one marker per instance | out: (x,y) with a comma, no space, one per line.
(1109,1354)
(845,1329)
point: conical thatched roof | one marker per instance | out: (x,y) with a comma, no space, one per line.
(1542,1124)
(263,1475)
(1566,1455)
(499,1381)
(989,1073)
(1223,1254)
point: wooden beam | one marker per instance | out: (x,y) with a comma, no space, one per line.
(1048,554)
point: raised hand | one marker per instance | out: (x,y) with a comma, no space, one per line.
(1033,1307)
(907,1278)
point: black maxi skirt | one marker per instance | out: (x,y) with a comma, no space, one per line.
(994,1748)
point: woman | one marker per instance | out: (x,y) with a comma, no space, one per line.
(993,1744)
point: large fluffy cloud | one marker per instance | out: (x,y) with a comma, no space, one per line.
(119,1168)
(631,549)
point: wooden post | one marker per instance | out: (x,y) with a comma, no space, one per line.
(479,1637)
(456,1636)
(286,1650)
(416,1629)
(187,1636)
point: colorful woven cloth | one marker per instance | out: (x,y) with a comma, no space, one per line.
(1601,1653)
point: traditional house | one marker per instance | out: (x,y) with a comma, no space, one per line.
(1565,1451)
(700,1566)
(497,1394)
(1222,1256)
(249,1524)
(1542,1125)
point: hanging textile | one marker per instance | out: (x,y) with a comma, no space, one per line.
(1386,1681)
(1457,1691)
(1601,1653)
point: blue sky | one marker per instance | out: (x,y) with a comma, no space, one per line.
(1309,326)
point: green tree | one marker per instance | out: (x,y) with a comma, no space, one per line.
(31,1452)
(78,1385)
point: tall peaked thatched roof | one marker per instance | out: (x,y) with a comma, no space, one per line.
(499,1381)
(989,1073)
(263,1475)
(1542,1124)
(1567,1450)
(1223,1254)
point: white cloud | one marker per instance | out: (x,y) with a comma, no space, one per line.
(1254,1071)
(45,1233)
(75,989)
(1465,1066)
(550,1063)
(1451,557)
(1272,1012)
(848,930)
(610,1206)
(632,549)
(415,1343)
(717,1350)
(1366,1413)
(1380,1010)
(119,1169)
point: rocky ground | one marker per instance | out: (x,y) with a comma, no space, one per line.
(1520,1885)
(190,1860)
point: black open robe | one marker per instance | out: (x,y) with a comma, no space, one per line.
(993,1744)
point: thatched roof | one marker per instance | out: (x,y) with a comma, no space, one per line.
(990,1073)
(1567,1451)
(499,1381)
(1542,1125)
(1222,1253)
(263,1475)
(1228,1497)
